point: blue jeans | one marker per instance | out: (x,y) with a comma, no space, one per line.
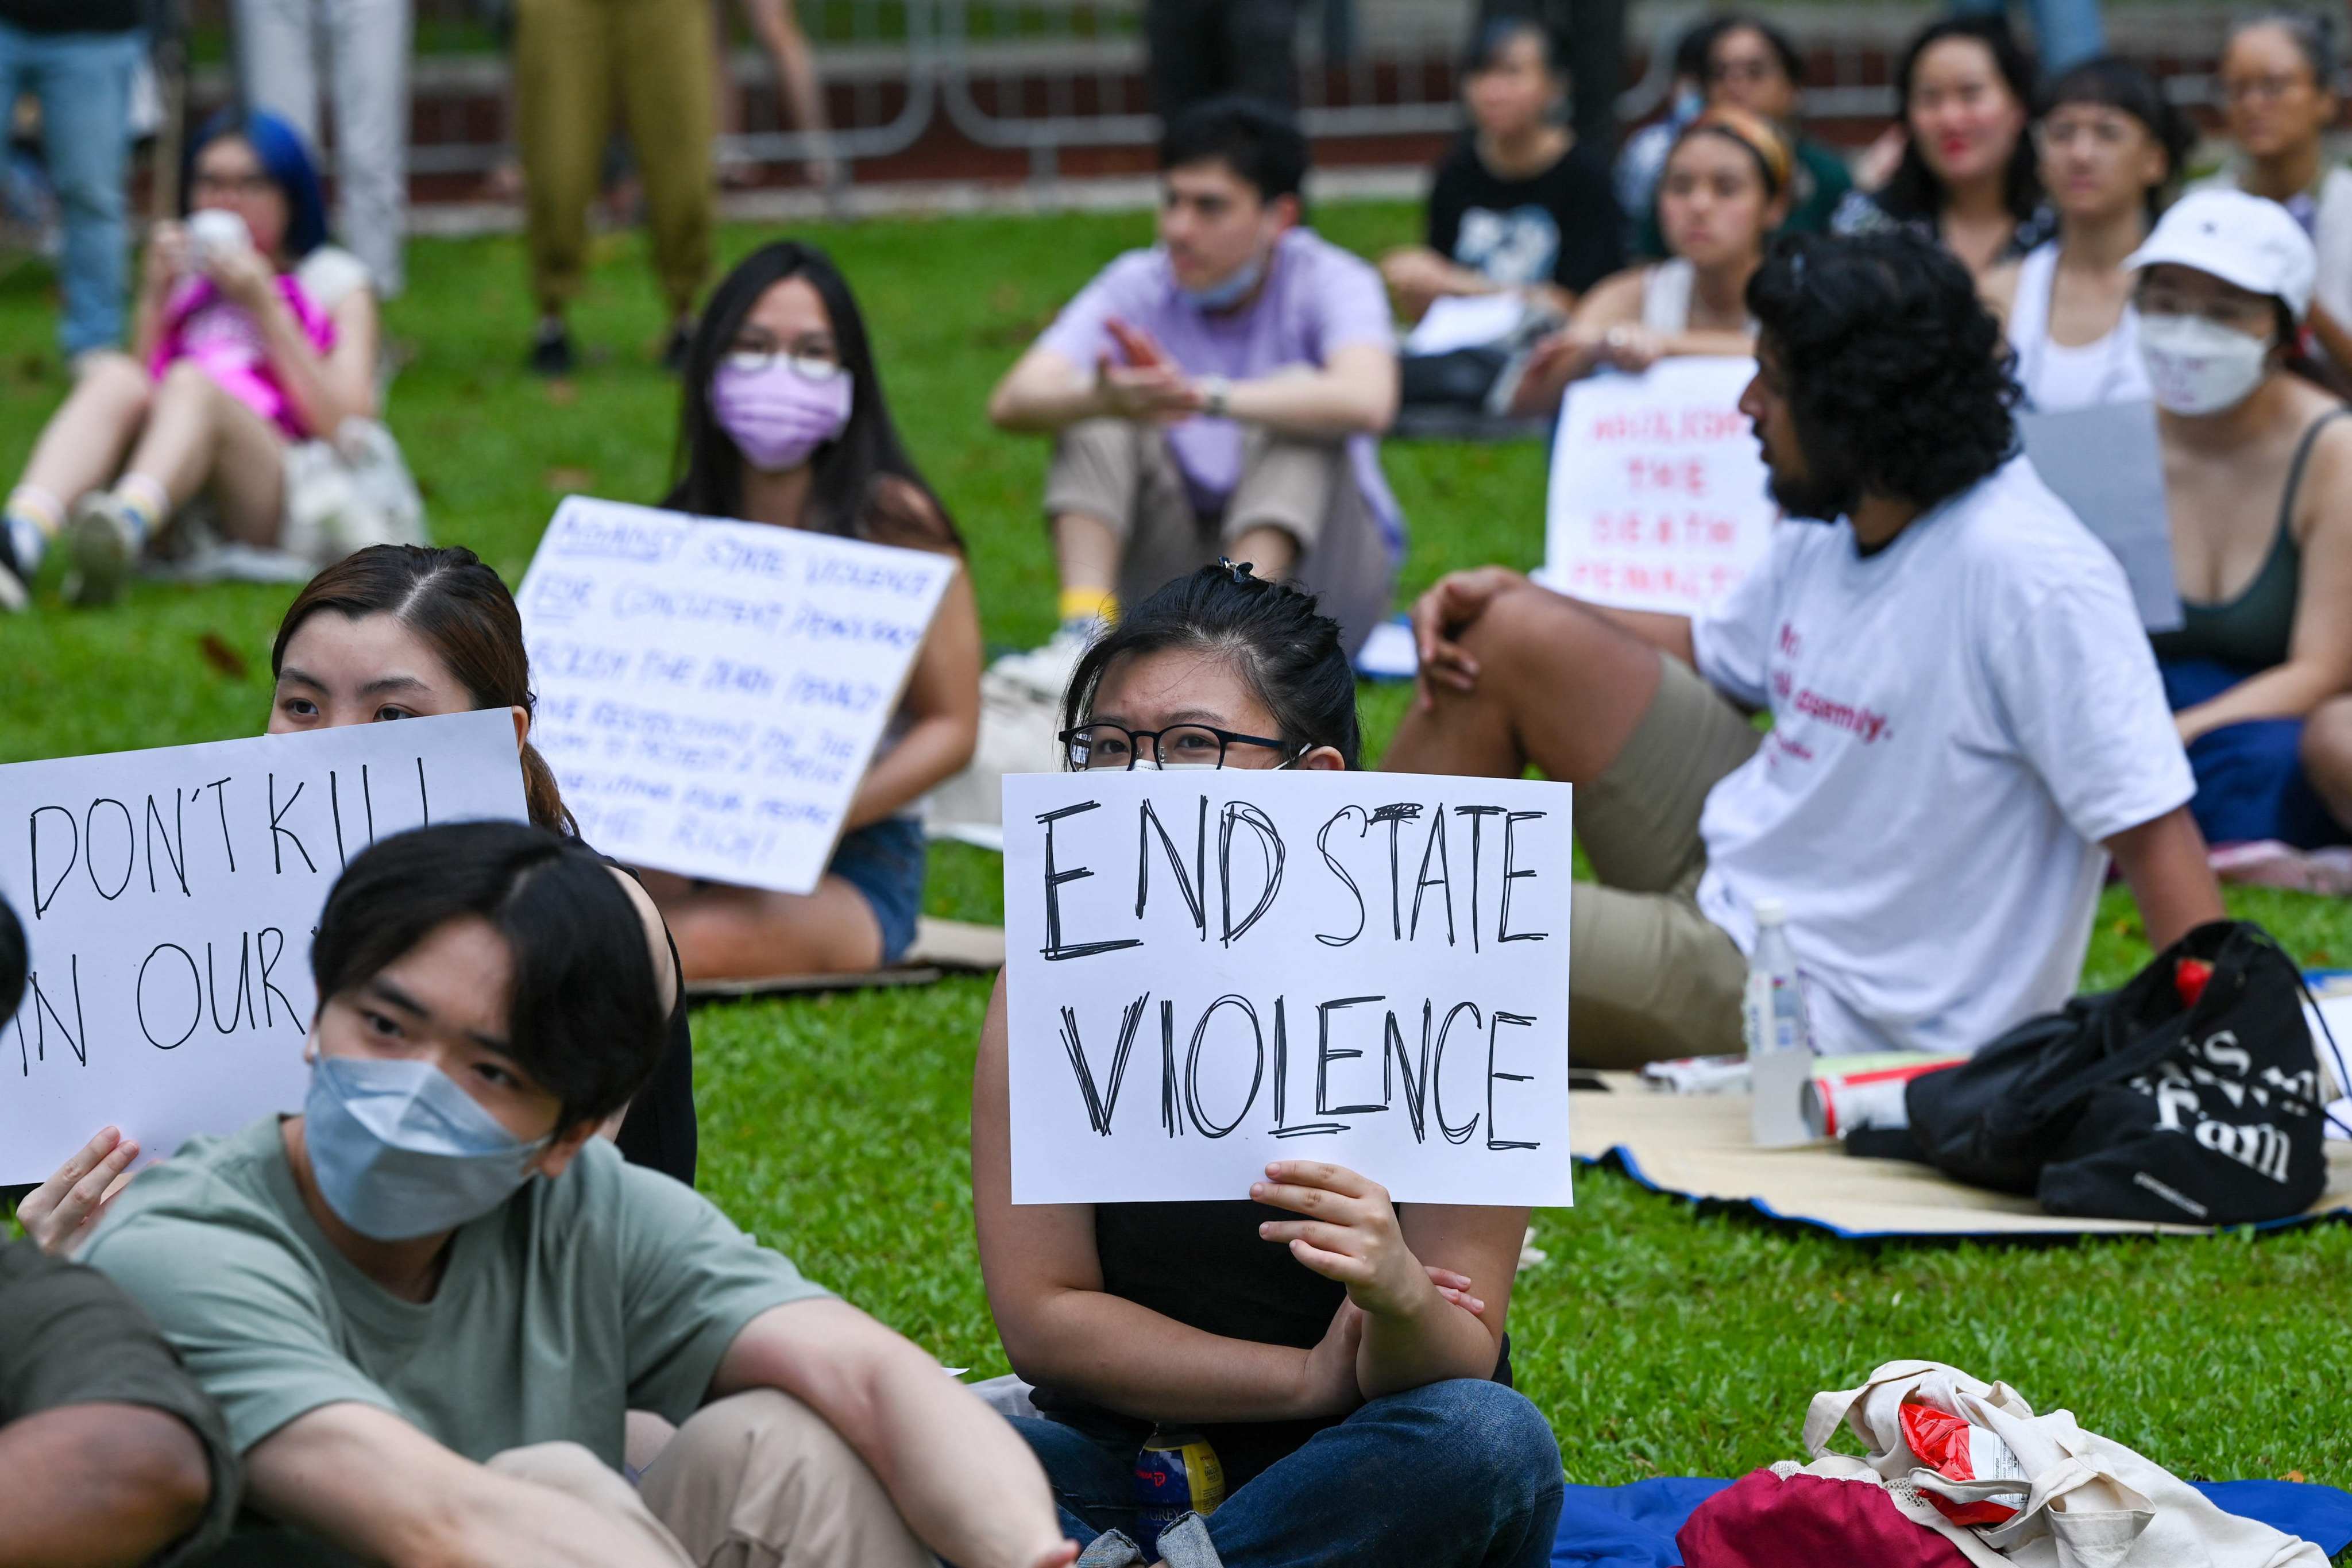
(1461,1474)
(83,82)
(2066,32)
(2250,780)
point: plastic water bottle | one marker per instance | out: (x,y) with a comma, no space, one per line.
(1772,1010)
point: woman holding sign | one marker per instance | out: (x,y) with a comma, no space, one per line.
(1345,1359)
(399,632)
(1724,194)
(784,423)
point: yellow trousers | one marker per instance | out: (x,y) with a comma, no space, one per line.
(574,62)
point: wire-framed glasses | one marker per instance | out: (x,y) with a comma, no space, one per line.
(815,367)
(1113,748)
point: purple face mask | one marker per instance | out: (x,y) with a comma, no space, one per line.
(776,415)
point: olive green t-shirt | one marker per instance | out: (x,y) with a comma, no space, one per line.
(607,1288)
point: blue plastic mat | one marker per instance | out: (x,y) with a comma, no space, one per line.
(1633,1526)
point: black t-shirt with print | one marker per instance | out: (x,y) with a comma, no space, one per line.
(1561,226)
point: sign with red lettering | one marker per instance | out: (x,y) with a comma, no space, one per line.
(1658,494)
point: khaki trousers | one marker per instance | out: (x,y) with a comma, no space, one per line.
(1124,475)
(574,59)
(757,1480)
(1650,977)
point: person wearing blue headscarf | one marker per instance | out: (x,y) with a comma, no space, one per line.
(252,376)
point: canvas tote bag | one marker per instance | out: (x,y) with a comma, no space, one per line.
(2082,1501)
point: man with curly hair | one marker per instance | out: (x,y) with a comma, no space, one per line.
(1967,722)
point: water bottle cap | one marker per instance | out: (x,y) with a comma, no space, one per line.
(1771,912)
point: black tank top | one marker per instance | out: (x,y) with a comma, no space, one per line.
(1204,1266)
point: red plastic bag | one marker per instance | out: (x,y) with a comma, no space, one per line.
(1959,1452)
(1805,1521)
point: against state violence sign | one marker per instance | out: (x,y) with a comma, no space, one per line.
(711,692)
(1207,971)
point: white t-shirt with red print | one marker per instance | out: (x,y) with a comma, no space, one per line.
(1958,721)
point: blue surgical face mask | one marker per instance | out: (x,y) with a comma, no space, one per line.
(1224,296)
(400,1150)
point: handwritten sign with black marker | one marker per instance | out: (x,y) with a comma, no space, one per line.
(1210,970)
(170,896)
(710,692)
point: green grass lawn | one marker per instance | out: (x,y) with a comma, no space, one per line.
(835,1127)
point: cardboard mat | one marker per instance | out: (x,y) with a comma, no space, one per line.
(940,947)
(1697,1146)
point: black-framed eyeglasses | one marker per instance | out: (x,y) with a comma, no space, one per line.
(1099,748)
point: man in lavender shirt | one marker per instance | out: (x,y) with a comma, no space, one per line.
(1221,394)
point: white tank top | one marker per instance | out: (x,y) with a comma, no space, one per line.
(1666,296)
(1666,290)
(2055,376)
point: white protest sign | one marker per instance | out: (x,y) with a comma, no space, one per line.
(710,692)
(1657,499)
(1208,971)
(170,896)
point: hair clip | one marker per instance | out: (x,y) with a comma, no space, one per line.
(1241,570)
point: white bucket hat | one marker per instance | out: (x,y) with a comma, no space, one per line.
(2247,240)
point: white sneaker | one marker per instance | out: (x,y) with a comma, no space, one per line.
(102,544)
(1045,671)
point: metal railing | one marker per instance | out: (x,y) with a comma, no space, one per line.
(1049,77)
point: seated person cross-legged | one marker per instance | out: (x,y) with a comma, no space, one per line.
(1217,395)
(1516,204)
(428,1304)
(1724,192)
(114,1457)
(1346,1358)
(2258,483)
(783,423)
(1967,721)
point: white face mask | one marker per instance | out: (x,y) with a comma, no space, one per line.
(2196,366)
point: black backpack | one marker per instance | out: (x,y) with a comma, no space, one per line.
(2160,1101)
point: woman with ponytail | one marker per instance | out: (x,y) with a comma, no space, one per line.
(401,631)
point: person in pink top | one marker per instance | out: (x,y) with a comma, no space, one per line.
(253,336)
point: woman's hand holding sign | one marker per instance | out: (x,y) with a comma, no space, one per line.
(1350,1235)
(61,1212)
(1416,1323)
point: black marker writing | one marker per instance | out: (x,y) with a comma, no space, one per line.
(196,998)
(1444,878)
(1499,1020)
(1195,887)
(1325,1055)
(277,814)
(1474,812)
(1503,932)
(1210,1129)
(1242,811)
(1054,949)
(1323,847)
(1437,1074)
(1100,1105)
